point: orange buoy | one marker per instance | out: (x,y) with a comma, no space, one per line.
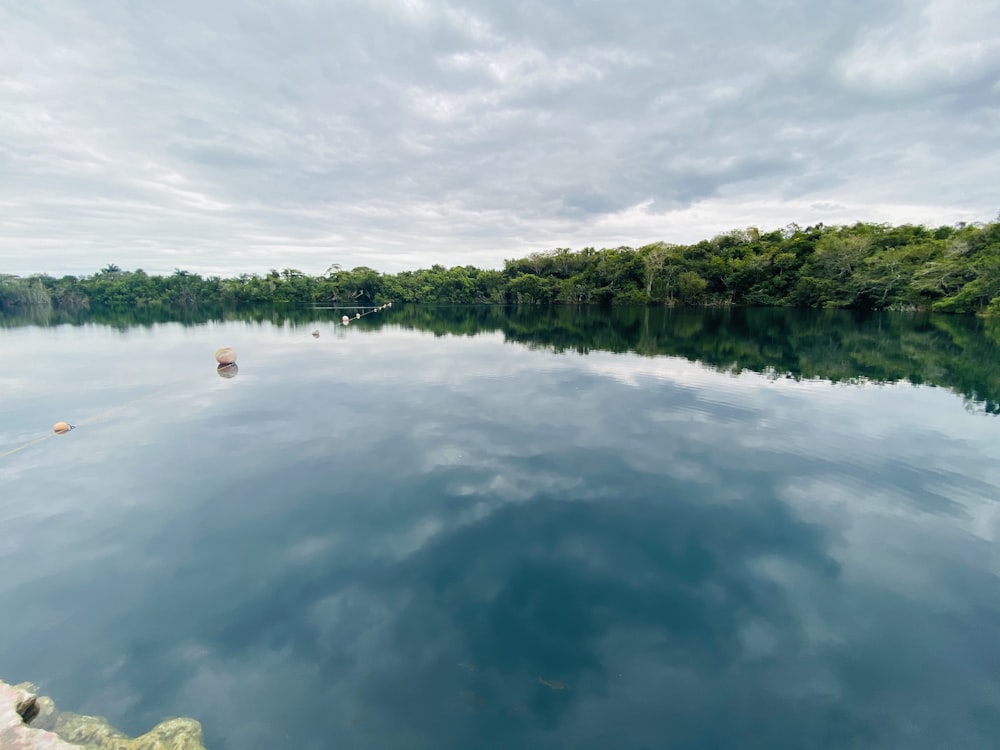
(225,356)
(61,428)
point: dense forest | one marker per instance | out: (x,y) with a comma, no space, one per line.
(953,269)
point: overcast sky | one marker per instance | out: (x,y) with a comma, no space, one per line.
(225,136)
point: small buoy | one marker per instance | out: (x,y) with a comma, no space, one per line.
(225,356)
(345,320)
(357,315)
(228,371)
(316,334)
(61,428)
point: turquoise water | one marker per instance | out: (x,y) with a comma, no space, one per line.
(487,528)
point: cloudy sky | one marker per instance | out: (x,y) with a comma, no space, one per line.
(238,136)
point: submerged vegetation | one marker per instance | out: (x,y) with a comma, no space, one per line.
(954,269)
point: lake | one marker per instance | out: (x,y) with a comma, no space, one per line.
(508,528)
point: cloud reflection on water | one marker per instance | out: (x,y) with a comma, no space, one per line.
(389,544)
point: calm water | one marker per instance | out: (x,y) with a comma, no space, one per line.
(477,528)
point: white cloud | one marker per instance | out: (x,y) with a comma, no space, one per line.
(949,44)
(230,138)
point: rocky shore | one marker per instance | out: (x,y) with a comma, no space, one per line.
(29,721)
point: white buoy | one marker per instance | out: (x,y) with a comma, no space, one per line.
(316,334)
(225,356)
(345,320)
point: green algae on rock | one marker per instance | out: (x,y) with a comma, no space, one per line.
(31,722)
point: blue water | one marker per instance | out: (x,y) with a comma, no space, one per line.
(424,532)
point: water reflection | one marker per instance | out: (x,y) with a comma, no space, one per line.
(449,541)
(959,353)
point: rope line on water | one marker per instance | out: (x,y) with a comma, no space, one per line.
(62,428)
(111,410)
(28,444)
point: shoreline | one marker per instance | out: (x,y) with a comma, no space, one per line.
(30,721)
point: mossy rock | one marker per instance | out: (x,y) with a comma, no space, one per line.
(31,722)
(95,733)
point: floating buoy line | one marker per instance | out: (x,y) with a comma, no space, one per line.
(226,367)
(346,320)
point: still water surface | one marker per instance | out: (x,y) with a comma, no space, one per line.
(478,528)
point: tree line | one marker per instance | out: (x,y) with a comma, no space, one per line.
(954,269)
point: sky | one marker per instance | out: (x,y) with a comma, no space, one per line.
(231,137)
